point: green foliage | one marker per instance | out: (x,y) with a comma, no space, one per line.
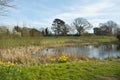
(46,32)
(60,27)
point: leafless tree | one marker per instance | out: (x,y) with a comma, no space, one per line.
(4,5)
(110,27)
(81,25)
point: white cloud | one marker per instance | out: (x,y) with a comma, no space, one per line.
(97,7)
(92,10)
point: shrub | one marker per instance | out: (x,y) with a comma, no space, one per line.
(118,37)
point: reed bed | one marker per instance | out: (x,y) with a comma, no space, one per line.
(31,56)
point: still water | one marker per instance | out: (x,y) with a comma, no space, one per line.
(101,51)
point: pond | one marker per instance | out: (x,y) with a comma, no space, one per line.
(100,52)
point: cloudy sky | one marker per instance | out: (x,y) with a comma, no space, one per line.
(41,13)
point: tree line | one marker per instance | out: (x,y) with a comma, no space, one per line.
(60,28)
(80,25)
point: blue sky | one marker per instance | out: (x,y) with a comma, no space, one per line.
(41,13)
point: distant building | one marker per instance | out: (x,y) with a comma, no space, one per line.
(26,32)
(4,32)
(35,33)
(3,29)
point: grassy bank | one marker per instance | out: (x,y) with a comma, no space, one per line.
(50,41)
(20,63)
(79,70)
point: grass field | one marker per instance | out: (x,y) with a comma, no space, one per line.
(80,70)
(50,41)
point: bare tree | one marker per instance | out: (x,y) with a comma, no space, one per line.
(4,5)
(109,27)
(81,25)
(111,24)
(105,30)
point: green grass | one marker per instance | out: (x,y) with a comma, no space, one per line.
(76,70)
(50,41)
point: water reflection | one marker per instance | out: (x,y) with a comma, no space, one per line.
(101,52)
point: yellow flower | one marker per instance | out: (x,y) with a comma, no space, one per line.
(12,64)
(62,59)
(52,59)
(1,62)
(8,62)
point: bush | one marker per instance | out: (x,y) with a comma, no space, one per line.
(118,37)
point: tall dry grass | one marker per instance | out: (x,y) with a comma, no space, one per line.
(29,55)
(22,55)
